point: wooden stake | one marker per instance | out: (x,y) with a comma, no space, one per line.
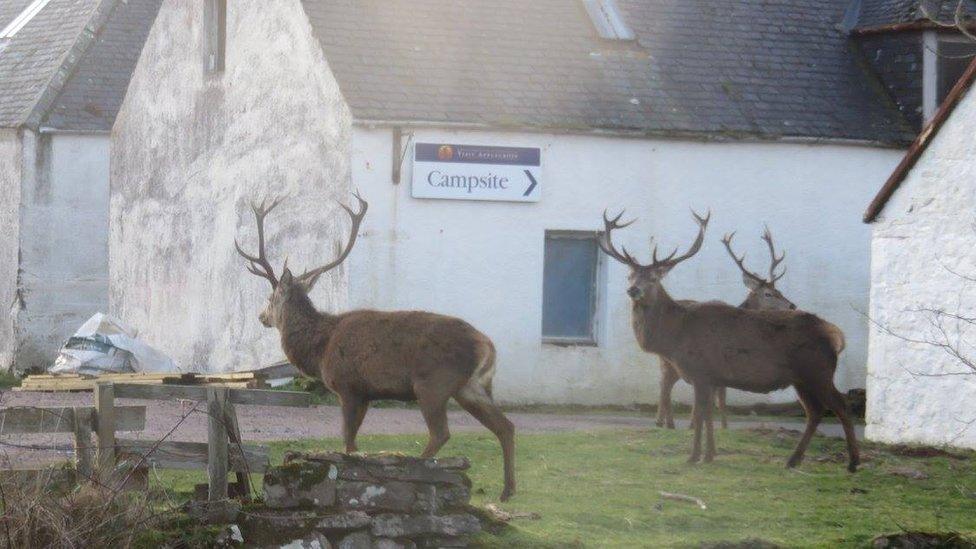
(105,427)
(217,443)
(234,432)
(81,417)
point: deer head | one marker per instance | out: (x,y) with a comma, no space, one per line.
(762,291)
(645,280)
(289,288)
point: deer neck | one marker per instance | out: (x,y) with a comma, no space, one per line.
(656,320)
(305,333)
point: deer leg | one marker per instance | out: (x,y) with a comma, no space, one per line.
(838,404)
(353,411)
(720,399)
(478,402)
(814,410)
(435,415)
(669,376)
(709,406)
(703,394)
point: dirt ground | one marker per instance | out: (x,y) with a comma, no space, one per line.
(269,423)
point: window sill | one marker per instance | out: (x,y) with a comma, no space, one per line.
(568,342)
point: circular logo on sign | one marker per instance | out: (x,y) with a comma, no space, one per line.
(445,152)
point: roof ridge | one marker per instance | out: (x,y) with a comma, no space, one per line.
(85,39)
(921,143)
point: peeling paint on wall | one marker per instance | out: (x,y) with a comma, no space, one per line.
(10,174)
(190,149)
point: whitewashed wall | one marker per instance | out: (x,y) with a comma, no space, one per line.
(10,174)
(483,261)
(915,392)
(64,241)
(189,150)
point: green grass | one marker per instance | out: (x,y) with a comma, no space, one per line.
(601,489)
(8,380)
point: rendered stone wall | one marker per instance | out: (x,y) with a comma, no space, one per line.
(191,149)
(10,175)
(922,253)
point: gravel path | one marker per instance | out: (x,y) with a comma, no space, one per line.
(269,423)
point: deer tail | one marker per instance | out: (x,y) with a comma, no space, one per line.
(836,337)
(485,370)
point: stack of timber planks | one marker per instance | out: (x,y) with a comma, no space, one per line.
(77,382)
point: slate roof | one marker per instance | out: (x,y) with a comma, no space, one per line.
(921,143)
(69,67)
(35,54)
(877,13)
(93,94)
(767,68)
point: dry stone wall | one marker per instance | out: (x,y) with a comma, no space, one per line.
(355,501)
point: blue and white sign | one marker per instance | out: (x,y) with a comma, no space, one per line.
(476,172)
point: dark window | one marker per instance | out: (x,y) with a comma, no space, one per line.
(954,57)
(569,286)
(216,23)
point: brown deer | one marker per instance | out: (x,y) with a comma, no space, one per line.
(713,344)
(366,355)
(763,295)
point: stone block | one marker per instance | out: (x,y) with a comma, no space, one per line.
(349,520)
(311,541)
(300,484)
(388,496)
(401,526)
(356,540)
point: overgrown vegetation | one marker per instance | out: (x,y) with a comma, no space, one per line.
(50,512)
(8,380)
(602,489)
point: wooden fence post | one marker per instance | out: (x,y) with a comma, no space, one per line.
(234,433)
(216,443)
(82,417)
(105,427)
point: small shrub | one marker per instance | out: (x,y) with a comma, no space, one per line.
(39,514)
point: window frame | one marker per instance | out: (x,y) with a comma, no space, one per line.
(931,69)
(608,21)
(215,29)
(592,339)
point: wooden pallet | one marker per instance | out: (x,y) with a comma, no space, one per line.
(76,382)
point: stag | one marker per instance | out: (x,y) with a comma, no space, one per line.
(763,295)
(713,344)
(367,355)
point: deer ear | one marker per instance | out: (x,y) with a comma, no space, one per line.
(286,277)
(751,282)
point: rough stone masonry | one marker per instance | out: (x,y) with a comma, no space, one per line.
(357,501)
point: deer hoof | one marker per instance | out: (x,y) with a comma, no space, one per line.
(693,460)
(709,458)
(793,462)
(506,494)
(852,467)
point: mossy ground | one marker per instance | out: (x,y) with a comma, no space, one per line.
(601,489)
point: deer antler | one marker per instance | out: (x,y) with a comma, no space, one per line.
(670,260)
(261,260)
(308,278)
(606,244)
(727,240)
(774,261)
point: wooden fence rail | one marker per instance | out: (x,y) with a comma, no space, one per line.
(223,452)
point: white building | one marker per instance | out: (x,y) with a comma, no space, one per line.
(64,67)
(660,108)
(922,289)
(764,113)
